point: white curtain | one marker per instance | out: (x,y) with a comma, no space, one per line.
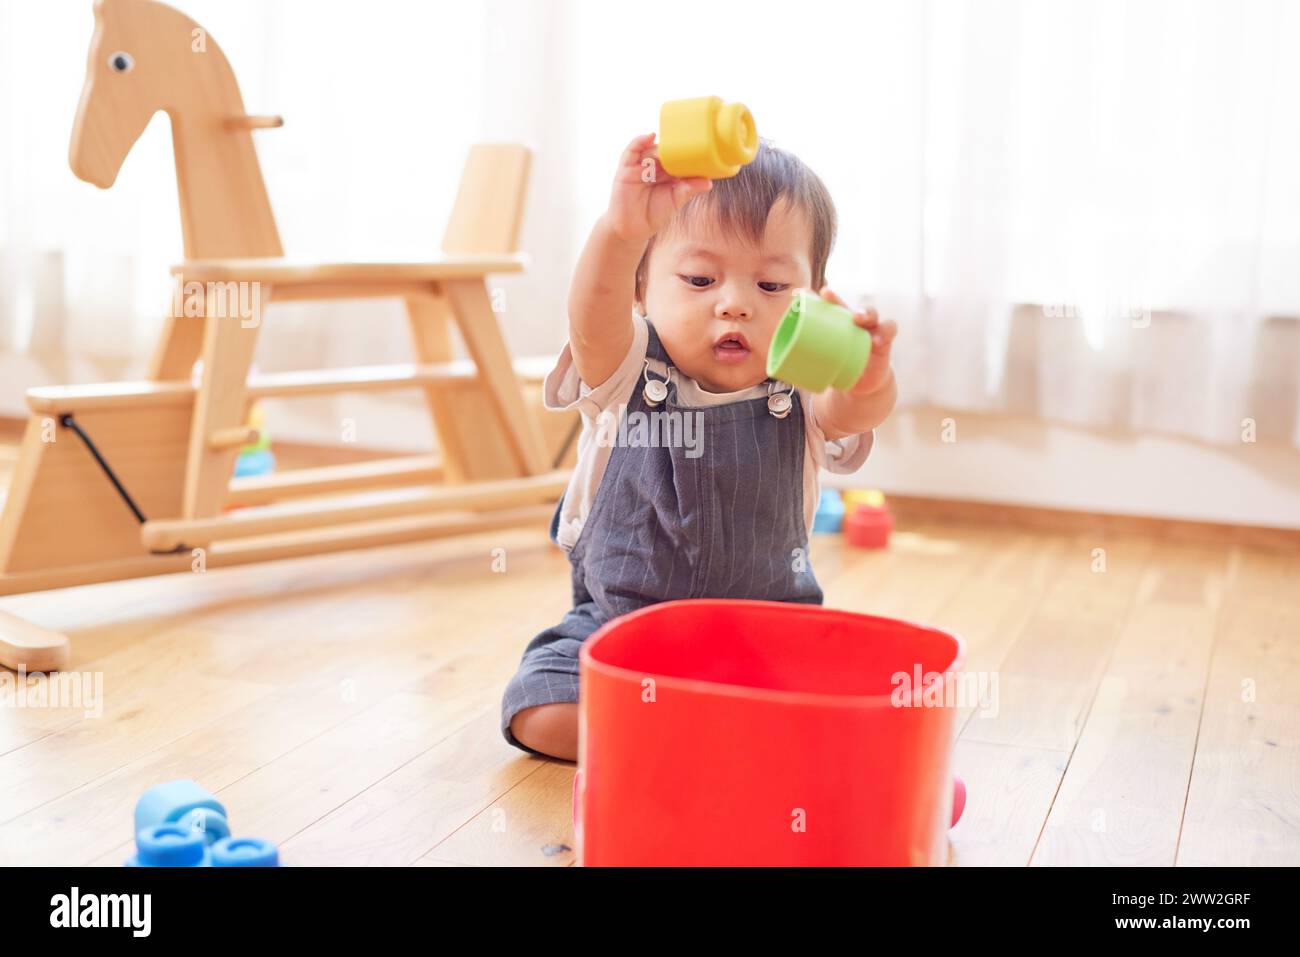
(1085,211)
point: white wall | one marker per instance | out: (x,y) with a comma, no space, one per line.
(1025,461)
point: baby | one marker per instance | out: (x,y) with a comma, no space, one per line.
(672,307)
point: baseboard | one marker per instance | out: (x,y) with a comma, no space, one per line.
(911,510)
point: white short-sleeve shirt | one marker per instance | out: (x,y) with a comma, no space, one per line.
(564,389)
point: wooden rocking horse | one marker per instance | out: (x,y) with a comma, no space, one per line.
(131,479)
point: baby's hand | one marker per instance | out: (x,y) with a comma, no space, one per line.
(877,373)
(645,197)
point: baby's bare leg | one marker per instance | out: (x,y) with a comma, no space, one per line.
(549,728)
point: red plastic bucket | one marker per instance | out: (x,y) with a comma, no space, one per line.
(727,732)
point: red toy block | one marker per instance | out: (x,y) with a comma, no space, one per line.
(867,526)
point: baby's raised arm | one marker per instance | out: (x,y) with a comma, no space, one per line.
(644,199)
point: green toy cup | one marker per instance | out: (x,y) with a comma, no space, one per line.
(818,345)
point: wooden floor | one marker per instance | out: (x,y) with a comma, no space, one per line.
(346,706)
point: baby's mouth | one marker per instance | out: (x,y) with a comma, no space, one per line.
(732,347)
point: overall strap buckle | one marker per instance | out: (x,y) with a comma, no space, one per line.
(779,404)
(655,391)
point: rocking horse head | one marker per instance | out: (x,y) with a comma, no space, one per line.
(145,57)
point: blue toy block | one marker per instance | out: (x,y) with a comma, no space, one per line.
(830,512)
(169,845)
(260,462)
(182,803)
(244,852)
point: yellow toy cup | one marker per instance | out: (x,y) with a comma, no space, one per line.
(871,497)
(818,345)
(705,137)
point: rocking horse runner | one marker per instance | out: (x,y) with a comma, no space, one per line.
(131,479)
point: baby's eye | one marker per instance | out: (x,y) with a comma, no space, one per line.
(703,281)
(779,286)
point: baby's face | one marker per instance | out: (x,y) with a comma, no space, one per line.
(716,301)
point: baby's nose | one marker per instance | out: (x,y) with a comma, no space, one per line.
(733,309)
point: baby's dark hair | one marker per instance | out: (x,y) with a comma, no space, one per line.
(742,204)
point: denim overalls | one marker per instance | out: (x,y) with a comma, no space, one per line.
(722,518)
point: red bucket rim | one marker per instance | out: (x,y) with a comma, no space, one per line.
(749,692)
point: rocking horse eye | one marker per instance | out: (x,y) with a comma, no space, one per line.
(121,62)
